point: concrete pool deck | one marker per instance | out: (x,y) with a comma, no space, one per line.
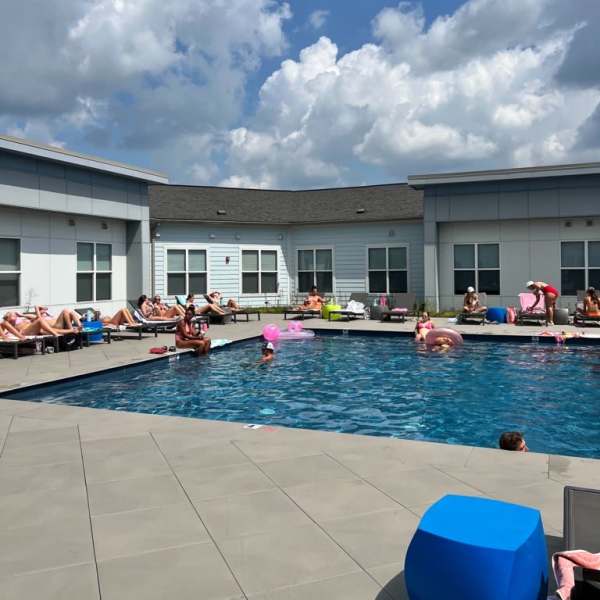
(99,504)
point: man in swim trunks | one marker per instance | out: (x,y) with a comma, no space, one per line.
(186,335)
(314,300)
(550,294)
(513,440)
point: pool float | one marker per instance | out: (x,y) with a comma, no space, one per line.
(295,331)
(434,334)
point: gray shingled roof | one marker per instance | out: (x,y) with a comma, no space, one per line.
(342,205)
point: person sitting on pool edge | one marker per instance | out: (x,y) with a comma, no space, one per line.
(268,353)
(186,335)
(423,326)
(550,294)
(514,441)
(471,302)
(591,303)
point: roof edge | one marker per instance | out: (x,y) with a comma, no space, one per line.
(284,224)
(38,150)
(220,187)
(420,181)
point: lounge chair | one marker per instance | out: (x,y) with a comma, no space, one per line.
(580,319)
(108,331)
(581,530)
(476,318)
(154,327)
(32,341)
(350,314)
(399,306)
(537,316)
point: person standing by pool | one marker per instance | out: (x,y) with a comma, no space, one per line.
(550,294)
(423,326)
(186,335)
(514,441)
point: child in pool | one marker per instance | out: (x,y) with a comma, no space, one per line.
(423,326)
(268,353)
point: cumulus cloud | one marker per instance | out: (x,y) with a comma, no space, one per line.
(317,18)
(475,89)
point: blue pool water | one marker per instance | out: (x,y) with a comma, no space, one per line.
(381,386)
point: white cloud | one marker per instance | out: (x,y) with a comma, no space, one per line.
(317,18)
(476,89)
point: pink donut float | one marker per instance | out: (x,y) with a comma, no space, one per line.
(434,334)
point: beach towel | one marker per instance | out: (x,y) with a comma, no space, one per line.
(563,565)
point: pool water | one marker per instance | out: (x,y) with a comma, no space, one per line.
(384,386)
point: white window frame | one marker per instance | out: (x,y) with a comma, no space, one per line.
(314,271)
(259,249)
(94,271)
(476,268)
(586,268)
(387,269)
(187,248)
(19,272)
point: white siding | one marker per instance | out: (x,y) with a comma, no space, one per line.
(350,243)
(49,255)
(529,250)
(223,276)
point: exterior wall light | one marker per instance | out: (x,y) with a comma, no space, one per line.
(104,225)
(360,211)
(71,222)
(221,211)
(212,236)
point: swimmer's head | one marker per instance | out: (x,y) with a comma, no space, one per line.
(268,348)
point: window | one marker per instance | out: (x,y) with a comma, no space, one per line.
(259,272)
(477,265)
(94,272)
(10,272)
(388,270)
(315,267)
(580,266)
(186,272)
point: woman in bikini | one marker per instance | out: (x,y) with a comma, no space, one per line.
(64,322)
(31,325)
(423,327)
(186,335)
(121,317)
(149,312)
(163,310)
(591,303)
(8,332)
(471,302)
(550,294)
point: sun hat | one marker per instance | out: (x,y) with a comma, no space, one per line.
(529,283)
(470,289)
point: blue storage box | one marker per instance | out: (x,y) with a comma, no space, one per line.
(477,549)
(497,314)
(95,338)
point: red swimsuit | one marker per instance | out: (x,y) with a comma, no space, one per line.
(548,289)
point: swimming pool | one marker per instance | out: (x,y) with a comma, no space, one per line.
(372,385)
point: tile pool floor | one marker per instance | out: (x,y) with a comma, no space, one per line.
(102,504)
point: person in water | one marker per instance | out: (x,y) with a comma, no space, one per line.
(442,344)
(514,441)
(186,335)
(268,353)
(423,327)
(550,294)
(471,302)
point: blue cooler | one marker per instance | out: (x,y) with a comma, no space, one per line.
(497,314)
(95,338)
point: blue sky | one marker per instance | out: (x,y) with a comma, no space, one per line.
(268,93)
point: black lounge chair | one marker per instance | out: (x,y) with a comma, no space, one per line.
(216,317)
(580,319)
(303,314)
(109,331)
(537,316)
(477,318)
(245,312)
(12,346)
(148,325)
(350,314)
(581,529)
(399,306)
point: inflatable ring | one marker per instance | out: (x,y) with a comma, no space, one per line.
(434,334)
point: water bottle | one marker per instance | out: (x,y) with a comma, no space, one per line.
(89,316)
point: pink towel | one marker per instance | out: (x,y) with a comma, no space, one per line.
(563,565)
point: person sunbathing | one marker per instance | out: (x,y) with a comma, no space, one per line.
(149,312)
(164,310)
(471,302)
(186,335)
(314,300)
(215,298)
(9,332)
(121,317)
(63,322)
(591,303)
(423,327)
(27,325)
